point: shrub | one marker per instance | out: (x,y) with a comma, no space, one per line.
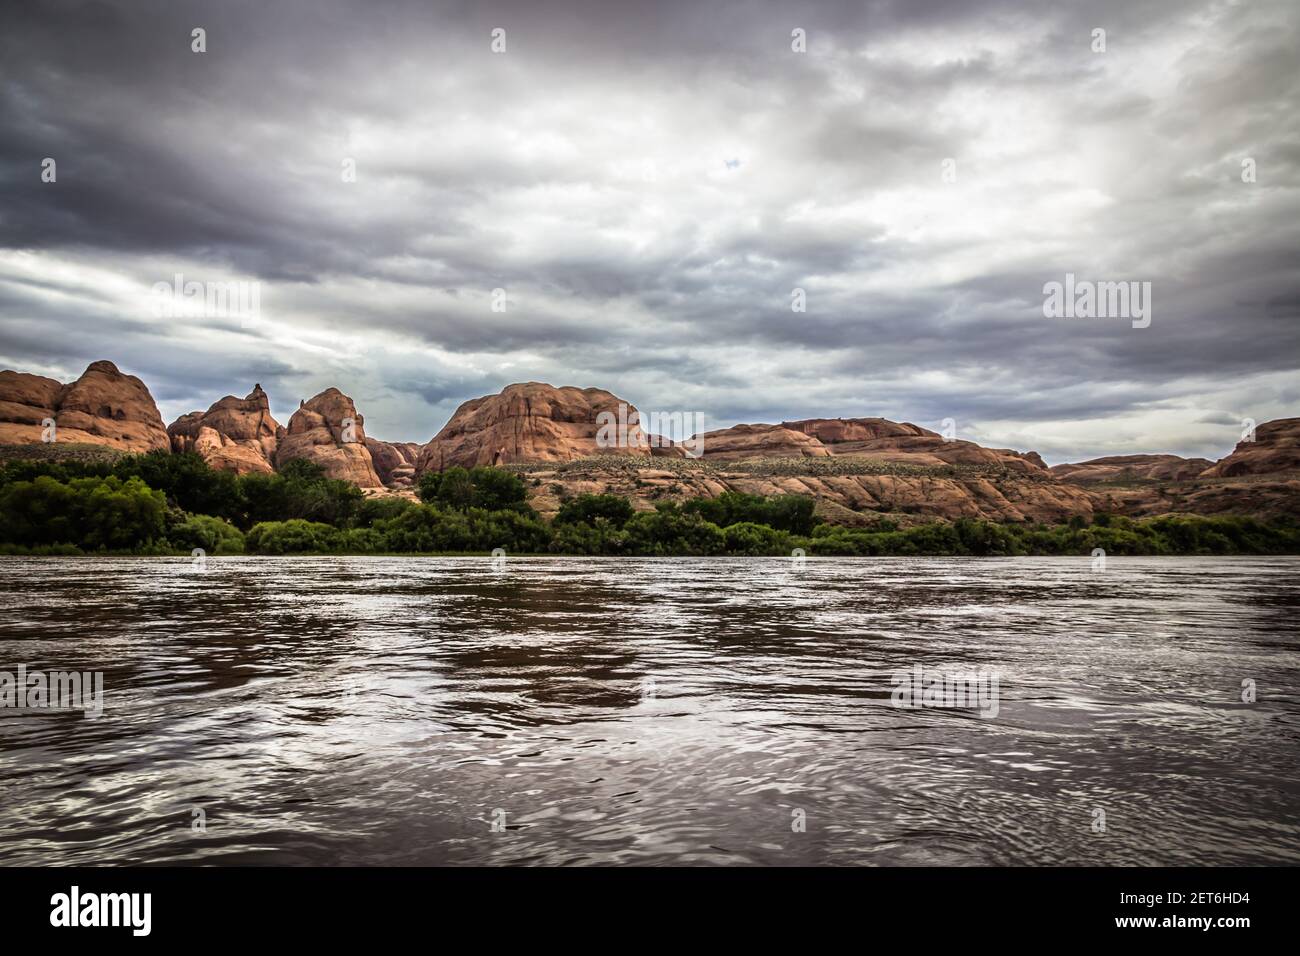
(793,513)
(493,489)
(187,481)
(91,513)
(755,539)
(362,541)
(936,538)
(44,550)
(496,489)
(591,508)
(669,531)
(427,528)
(294,536)
(299,490)
(62,470)
(373,510)
(984,537)
(426,487)
(583,538)
(203,531)
(515,531)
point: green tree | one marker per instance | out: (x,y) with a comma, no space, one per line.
(299,490)
(497,489)
(455,490)
(591,508)
(750,538)
(91,513)
(294,536)
(670,531)
(792,513)
(493,489)
(375,509)
(213,535)
(187,480)
(426,487)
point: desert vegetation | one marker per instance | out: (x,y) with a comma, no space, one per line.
(163,503)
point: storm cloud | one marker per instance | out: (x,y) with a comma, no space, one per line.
(649,184)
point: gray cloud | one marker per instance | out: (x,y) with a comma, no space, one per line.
(648,183)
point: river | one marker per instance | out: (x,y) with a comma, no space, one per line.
(386,710)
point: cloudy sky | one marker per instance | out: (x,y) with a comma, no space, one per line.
(648,186)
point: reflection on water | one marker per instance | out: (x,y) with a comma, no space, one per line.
(622,711)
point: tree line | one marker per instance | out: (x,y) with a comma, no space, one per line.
(163,503)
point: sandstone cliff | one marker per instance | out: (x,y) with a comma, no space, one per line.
(1131,468)
(1276,448)
(328,430)
(394,461)
(874,438)
(102,407)
(848,492)
(234,434)
(571,440)
(1267,497)
(759,441)
(533,422)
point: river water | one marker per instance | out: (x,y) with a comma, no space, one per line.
(654,711)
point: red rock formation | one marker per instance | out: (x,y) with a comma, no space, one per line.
(759,441)
(328,430)
(102,407)
(25,402)
(1131,468)
(235,434)
(846,498)
(876,438)
(835,431)
(1276,448)
(394,461)
(933,450)
(833,460)
(535,422)
(1265,497)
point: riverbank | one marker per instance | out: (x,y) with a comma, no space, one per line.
(166,504)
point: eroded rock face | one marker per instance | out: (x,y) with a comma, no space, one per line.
(533,422)
(842,498)
(102,407)
(394,461)
(328,430)
(25,402)
(760,441)
(1131,468)
(1264,497)
(876,438)
(838,431)
(1276,448)
(235,434)
(933,450)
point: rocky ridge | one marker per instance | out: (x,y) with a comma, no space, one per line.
(568,440)
(328,430)
(102,407)
(234,434)
(532,422)
(1120,468)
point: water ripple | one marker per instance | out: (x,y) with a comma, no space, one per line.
(653,711)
